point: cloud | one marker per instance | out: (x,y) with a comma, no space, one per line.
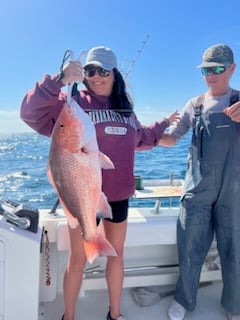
(148,115)
(10,122)
(9,113)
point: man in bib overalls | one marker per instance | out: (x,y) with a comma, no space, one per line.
(210,204)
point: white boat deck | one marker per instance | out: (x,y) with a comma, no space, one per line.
(155,258)
(94,305)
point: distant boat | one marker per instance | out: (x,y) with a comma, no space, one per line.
(33,257)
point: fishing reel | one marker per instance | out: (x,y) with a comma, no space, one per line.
(20,215)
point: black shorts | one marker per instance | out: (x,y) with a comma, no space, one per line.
(119,211)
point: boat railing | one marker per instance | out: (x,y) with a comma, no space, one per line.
(159,190)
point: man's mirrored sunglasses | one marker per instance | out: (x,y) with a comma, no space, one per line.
(90,71)
(214,70)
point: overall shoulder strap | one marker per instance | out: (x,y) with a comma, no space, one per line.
(234,97)
(200,100)
(199,105)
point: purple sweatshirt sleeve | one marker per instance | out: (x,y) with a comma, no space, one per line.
(148,136)
(42,105)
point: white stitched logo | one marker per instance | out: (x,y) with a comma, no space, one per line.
(120,131)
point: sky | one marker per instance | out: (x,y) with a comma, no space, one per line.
(158,43)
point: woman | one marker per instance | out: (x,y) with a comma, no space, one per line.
(119,134)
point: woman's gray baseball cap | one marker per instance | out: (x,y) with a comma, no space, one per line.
(217,55)
(101,57)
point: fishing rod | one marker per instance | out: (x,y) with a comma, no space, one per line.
(139,51)
(69,54)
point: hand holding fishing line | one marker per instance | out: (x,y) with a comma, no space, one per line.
(71,70)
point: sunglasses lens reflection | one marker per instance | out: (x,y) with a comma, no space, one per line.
(91,71)
(214,70)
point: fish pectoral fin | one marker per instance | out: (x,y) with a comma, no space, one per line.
(104,210)
(105,161)
(49,175)
(99,247)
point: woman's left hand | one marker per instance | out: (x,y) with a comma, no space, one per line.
(174,117)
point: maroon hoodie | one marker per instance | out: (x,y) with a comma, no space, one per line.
(118,136)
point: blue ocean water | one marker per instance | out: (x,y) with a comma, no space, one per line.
(23,161)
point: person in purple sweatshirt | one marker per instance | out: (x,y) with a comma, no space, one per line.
(119,134)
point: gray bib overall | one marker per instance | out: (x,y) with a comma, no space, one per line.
(211,204)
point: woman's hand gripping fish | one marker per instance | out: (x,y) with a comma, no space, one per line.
(74,170)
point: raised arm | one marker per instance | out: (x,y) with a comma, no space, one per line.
(42,104)
(167,140)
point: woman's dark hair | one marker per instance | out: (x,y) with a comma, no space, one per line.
(120,101)
(119,98)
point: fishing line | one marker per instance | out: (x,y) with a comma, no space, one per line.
(139,51)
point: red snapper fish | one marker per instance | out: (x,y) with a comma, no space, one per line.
(74,170)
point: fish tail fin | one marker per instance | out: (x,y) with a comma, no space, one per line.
(99,247)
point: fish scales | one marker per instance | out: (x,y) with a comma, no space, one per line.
(74,169)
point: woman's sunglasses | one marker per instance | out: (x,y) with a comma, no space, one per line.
(91,71)
(214,70)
